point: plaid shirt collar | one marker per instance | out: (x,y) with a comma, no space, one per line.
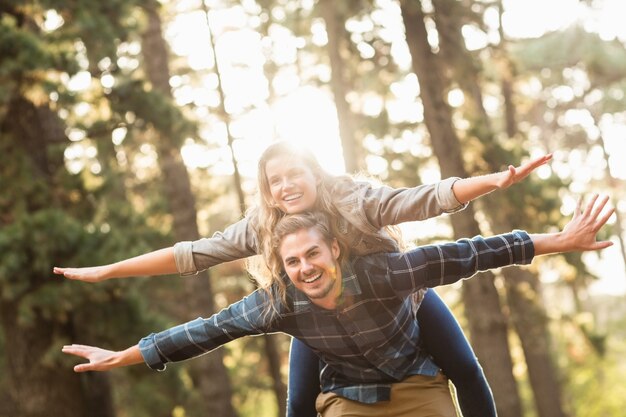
(349,284)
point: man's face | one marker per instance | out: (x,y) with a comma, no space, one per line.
(311,264)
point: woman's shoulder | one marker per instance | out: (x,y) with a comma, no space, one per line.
(347,187)
(252,220)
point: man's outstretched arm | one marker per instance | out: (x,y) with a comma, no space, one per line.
(185,341)
(433,265)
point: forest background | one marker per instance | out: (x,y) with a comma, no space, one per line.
(128,125)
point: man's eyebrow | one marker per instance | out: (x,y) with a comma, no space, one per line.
(307,252)
(312,248)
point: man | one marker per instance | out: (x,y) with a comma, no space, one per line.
(356,313)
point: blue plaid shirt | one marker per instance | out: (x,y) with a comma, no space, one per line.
(371,339)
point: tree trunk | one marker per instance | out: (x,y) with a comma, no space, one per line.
(225,115)
(271,349)
(615,187)
(487,323)
(335,23)
(273,360)
(30,387)
(522,287)
(209,372)
(29,376)
(463,69)
(507,72)
(531,323)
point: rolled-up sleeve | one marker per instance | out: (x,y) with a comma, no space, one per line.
(237,241)
(446,198)
(433,265)
(183,255)
(150,354)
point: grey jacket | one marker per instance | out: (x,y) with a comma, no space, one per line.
(365,210)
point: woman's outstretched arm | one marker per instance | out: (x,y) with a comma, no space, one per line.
(159,262)
(468,189)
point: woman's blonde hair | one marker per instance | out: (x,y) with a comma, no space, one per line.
(266,215)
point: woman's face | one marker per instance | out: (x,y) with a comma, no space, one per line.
(293,186)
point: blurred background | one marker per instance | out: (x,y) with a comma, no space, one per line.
(129,125)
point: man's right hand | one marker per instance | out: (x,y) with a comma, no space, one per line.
(102,359)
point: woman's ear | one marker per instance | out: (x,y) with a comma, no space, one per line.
(335,249)
(318,178)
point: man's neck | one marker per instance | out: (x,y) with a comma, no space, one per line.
(326,303)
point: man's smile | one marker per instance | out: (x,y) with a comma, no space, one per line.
(313,279)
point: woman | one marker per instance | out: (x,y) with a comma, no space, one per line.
(292,181)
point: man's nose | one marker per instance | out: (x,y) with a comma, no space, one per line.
(307,267)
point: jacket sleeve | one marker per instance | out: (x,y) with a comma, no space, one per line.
(237,241)
(384,206)
(200,336)
(434,265)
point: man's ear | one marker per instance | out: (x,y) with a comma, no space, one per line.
(335,249)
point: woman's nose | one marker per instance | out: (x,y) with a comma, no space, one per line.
(286,182)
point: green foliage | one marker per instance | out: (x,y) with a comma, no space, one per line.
(24,51)
(252,384)
(614,99)
(603,61)
(109,314)
(30,245)
(152,108)
(593,377)
(52,218)
(100,26)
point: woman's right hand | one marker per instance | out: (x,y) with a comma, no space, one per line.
(159,262)
(87,274)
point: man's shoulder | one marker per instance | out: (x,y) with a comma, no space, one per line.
(374,263)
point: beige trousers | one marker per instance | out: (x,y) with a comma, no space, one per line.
(416,396)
